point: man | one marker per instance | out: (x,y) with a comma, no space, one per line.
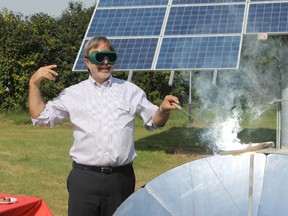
(101,110)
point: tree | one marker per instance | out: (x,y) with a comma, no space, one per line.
(13,60)
(30,42)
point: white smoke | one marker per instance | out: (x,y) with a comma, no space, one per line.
(251,88)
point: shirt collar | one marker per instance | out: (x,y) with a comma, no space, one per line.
(108,83)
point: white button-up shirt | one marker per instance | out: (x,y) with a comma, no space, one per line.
(103,119)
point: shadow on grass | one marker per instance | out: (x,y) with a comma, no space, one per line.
(176,139)
(188,140)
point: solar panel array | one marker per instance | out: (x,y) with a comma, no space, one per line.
(182,34)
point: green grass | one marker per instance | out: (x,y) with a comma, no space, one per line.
(35,160)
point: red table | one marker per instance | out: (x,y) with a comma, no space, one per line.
(25,206)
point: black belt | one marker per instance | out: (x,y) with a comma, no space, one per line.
(102,169)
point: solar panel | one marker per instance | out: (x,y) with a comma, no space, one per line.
(132,54)
(127,22)
(267,18)
(135,53)
(220,19)
(211,31)
(204,1)
(116,3)
(266,1)
(199,52)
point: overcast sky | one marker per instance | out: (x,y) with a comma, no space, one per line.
(51,7)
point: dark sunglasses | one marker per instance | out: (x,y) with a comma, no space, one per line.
(100,56)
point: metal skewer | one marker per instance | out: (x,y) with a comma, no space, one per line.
(181,109)
(252,147)
(277,101)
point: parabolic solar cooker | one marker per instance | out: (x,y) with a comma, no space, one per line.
(252,180)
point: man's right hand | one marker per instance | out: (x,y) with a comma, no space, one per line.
(36,103)
(46,72)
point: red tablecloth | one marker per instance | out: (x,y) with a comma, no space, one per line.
(25,206)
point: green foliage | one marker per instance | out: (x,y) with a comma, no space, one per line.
(27,43)
(155,84)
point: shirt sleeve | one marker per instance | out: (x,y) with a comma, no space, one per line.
(146,111)
(54,111)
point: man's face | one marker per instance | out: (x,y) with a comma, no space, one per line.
(100,72)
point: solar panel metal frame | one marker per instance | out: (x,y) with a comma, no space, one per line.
(162,36)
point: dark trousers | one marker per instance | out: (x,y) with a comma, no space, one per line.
(94,193)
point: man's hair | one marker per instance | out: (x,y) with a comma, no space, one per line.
(94,43)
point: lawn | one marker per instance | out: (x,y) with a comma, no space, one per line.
(35,160)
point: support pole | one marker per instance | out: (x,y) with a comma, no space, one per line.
(214,79)
(278,126)
(171,78)
(130,75)
(190,98)
(284,114)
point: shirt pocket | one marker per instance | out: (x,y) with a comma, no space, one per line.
(124,115)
